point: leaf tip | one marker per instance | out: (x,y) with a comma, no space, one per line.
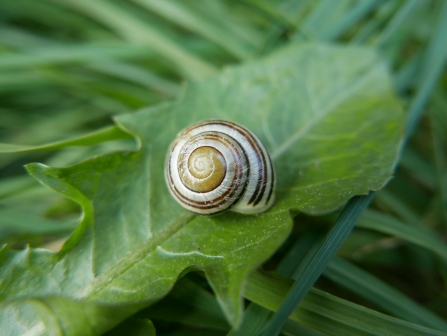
(35,168)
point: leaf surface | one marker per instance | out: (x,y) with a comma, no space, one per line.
(332,124)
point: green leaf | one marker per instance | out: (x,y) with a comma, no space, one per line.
(330,139)
(57,314)
(104,134)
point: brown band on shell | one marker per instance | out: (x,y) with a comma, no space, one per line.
(262,179)
(221,199)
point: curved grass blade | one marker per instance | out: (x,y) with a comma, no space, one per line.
(59,54)
(383,295)
(179,13)
(332,242)
(256,317)
(105,134)
(360,10)
(380,222)
(433,63)
(137,75)
(397,21)
(327,313)
(142,32)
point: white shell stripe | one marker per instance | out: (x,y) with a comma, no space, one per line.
(257,157)
(230,187)
(248,182)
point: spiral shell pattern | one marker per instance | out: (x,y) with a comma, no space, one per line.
(215,165)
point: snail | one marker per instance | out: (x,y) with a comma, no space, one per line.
(217,165)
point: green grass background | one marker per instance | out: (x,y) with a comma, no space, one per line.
(67,66)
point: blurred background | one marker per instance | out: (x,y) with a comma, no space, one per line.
(68,66)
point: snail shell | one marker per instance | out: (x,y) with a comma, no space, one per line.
(216,165)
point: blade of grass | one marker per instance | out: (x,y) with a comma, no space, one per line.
(438,114)
(328,313)
(255,321)
(172,310)
(104,134)
(10,82)
(397,21)
(366,285)
(360,10)
(137,75)
(268,11)
(325,13)
(433,63)
(70,156)
(380,293)
(295,328)
(421,236)
(139,32)
(296,255)
(31,200)
(62,54)
(398,207)
(440,159)
(19,221)
(256,318)
(181,14)
(14,184)
(69,54)
(418,167)
(196,332)
(332,242)
(14,37)
(230,20)
(368,29)
(40,11)
(406,75)
(188,303)
(191,293)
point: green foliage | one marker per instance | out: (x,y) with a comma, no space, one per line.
(124,199)
(129,260)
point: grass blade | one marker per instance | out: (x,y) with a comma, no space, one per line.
(362,9)
(141,32)
(434,62)
(383,295)
(327,313)
(181,14)
(104,134)
(421,236)
(317,22)
(397,21)
(137,75)
(332,242)
(255,320)
(70,54)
